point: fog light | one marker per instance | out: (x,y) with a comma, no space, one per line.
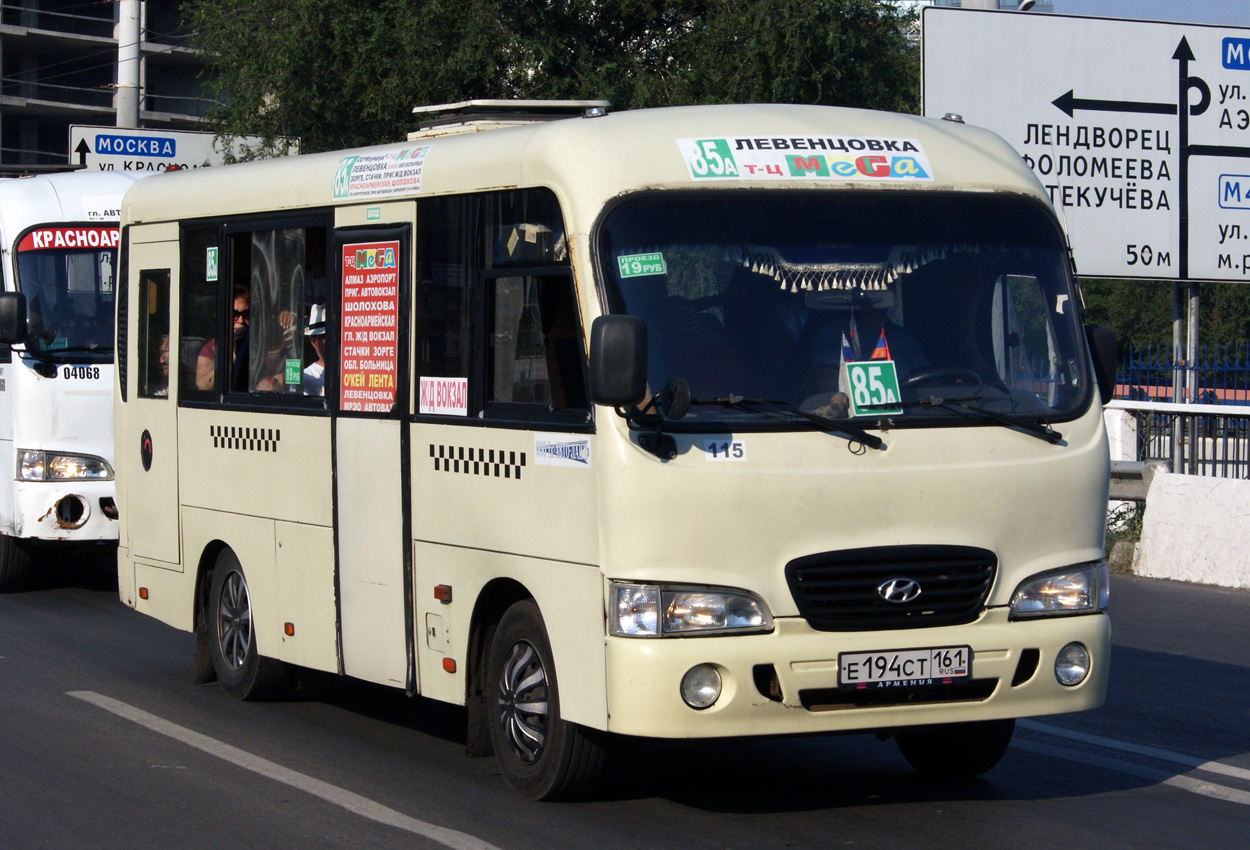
(700,687)
(1072,665)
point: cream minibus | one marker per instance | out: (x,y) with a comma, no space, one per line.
(58,233)
(696,422)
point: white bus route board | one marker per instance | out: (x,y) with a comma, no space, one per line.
(1139,131)
(129,149)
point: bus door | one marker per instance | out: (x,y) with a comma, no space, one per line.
(371,480)
(152,460)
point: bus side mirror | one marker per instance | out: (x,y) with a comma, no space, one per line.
(1102,347)
(12,318)
(618,360)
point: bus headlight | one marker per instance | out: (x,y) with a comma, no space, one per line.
(1083,589)
(649,611)
(35,465)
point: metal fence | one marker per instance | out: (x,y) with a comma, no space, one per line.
(1194,439)
(1220,375)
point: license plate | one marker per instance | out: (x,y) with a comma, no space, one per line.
(904,668)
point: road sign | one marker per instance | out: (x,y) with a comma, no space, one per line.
(124,149)
(1139,131)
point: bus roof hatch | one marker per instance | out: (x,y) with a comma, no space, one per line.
(476,115)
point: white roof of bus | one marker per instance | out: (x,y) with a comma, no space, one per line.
(69,197)
(590,160)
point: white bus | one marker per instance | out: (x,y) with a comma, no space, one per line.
(682,423)
(59,236)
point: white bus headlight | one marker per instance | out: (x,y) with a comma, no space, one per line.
(635,611)
(648,611)
(1082,589)
(35,465)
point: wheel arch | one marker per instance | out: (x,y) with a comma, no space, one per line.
(203,581)
(497,596)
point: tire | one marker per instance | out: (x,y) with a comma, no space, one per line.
(956,750)
(243,672)
(14,564)
(542,756)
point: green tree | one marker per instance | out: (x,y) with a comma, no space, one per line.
(836,52)
(340,74)
(1140,312)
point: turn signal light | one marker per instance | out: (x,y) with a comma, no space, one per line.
(143,593)
(289,628)
(442,593)
(449,664)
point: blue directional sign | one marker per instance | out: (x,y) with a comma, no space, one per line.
(1235,191)
(1236,54)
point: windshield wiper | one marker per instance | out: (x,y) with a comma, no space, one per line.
(762,405)
(1038,427)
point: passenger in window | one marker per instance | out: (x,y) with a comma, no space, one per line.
(315,373)
(160,387)
(241,316)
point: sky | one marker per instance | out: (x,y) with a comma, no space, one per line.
(1232,13)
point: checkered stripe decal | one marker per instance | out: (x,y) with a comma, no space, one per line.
(471,461)
(245,439)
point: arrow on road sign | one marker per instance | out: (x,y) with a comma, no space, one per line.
(82,150)
(1069,103)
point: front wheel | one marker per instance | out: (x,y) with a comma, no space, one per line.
(956,750)
(542,756)
(239,666)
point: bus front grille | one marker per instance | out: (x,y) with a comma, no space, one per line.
(892,587)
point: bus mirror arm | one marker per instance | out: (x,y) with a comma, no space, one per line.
(672,403)
(12,318)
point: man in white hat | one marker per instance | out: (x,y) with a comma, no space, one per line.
(315,373)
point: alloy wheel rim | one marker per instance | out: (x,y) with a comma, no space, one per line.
(523,702)
(234,620)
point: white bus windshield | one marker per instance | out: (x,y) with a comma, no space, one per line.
(69,296)
(855,305)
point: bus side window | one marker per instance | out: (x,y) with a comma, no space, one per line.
(444,270)
(497,319)
(536,351)
(201,251)
(275,351)
(154,333)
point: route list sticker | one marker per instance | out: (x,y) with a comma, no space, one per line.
(370,324)
(380,175)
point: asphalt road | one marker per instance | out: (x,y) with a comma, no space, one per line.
(106,743)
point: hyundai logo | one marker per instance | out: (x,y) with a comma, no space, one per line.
(899,590)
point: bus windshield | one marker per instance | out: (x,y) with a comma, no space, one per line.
(944,309)
(69,297)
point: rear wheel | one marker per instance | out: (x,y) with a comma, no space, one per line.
(240,668)
(14,564)
(956,750)
(542,756)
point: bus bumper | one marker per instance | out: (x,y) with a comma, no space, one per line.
(786,682)
(71,511)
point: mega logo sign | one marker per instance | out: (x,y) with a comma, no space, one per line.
(805,157)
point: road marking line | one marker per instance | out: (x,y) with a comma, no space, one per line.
(1185,783)
(343,798)
(1139,749)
